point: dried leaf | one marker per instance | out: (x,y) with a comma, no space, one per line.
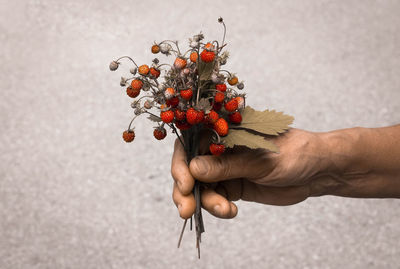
(267,122)
(204,105)
(154,118)
(205,70)
(253,141)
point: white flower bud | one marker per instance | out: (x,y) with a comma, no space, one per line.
(122,82)
(133,70)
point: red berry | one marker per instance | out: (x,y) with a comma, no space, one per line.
(132,92)
(212,117)
(187,94)
(180,63)
(221,127)
(173,102)
(155,49)
(231,105)
(217,149)
(136,84)
(128,136)
(143,69)
(200,116)
(207,56)
(191,116)
(235,117)
(167,116)
(217,106)
(160,133)
(194,56)
(219,97)
(180,115)
(221,87)
(182,125)
(154,72)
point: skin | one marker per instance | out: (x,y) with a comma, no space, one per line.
(356,162)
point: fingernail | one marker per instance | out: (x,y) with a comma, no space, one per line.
(201,166)
(217,209)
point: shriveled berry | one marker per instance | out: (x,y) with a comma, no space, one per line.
(173,102)
(160,133)
(233,80)
(154,72)
(217,149)
(219,97)
(217,106)
(231,105)
(221,127)
(167,116)
(187,94)
(207,56)
(191,116)
(220,87)
(212,117)
(180,63)
(128,136)
(155,49)
(182,125)
(131,92)
(114,65)
(180,115)
(143,69)
(193,56)
(235,117)
(136,84)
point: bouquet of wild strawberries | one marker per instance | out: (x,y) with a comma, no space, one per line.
(198,94)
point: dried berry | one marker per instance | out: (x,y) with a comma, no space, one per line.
(114,65)
(160,133)
(155,49)
(233,80)
(131,92)
(128,136)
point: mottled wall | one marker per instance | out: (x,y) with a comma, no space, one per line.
(73,195)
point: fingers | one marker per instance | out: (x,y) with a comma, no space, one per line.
(247,164)
(217,205)
(180,170)
(185,203)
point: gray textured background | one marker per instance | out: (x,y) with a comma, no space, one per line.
(73,195)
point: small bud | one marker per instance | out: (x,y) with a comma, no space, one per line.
(194,44)
(220,19)
(114,65)
(135,104)
(165,48)
(146,87)
(138,111)
(133,70)
(156,61)
(122,82)
(148,104)
(240,86)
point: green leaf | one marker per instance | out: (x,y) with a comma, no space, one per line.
(205,70)
(253,141)
(267,122)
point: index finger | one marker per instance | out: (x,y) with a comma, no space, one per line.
(180,170)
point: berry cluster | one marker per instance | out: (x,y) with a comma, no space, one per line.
(195,91)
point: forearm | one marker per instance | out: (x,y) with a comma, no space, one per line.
(363,162)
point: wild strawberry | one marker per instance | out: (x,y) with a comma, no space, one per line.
(231,105)
(240,101)
(155,49)
(220,87)
(180,63)
(160,133)
(221,127)
(209,46)
(128,136)
(169,93)
(219,97)
(187,94)
(207,56)
(200,116)
(136,84)
(180,115)
(191,116)
(212,117)
(167,116)
(182,125)
(193,56)
(235,117)
(217,149)
(132,92)
(233,80)
(217,106)
(173,102)
(143,69)
(154,72)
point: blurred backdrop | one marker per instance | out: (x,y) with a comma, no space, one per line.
(74,195)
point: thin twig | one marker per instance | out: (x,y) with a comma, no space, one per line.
(181,235)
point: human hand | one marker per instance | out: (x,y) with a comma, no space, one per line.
(300,170)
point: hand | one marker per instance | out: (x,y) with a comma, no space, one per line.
(300,170)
